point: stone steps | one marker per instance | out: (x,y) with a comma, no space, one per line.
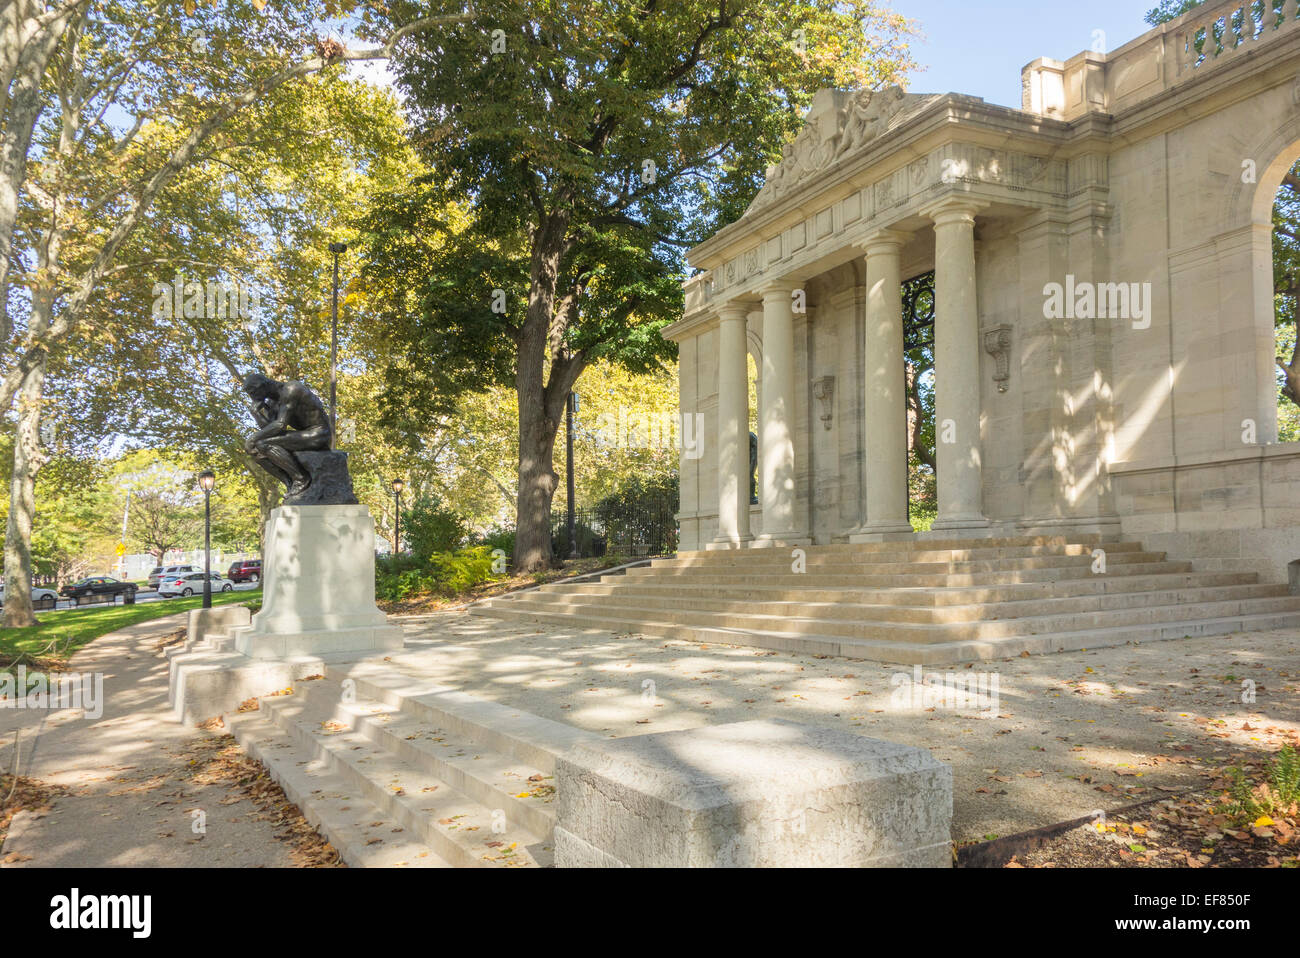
(930,545)
(349,822)
(1015,592)
(413,760)
(921,552)
(902,579)
(983,628)
(961,600)
(849,608)
(903,652)
(896,565)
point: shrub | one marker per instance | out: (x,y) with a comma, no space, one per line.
(429,527)
(442,573)
(499,537)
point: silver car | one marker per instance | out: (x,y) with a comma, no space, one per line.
(168,572)
(38,594)
(191,583)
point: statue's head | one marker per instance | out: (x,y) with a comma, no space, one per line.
(259,387)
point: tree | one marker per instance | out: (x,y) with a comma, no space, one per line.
(103,104)
(162,521)
(587,145)
(1169,10)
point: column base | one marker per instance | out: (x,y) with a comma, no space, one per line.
(723,545)
(971,524)
(1104,526)
(887,530)
(781,540)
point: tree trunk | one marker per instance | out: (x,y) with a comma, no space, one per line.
(537,484)
(22,500)
(539,420)
(915,422)
(1291,374)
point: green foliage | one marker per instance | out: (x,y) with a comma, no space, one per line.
(922,516)
(1169,10)
(641,515)
(591,542)
(499,537)
(429,527)
(543,146)
(442,573)
(1279,794)
(575,150)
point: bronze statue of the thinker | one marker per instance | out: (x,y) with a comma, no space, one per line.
(292,420)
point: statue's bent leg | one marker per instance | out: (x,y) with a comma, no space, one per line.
(280,450)
(315,439)
(271,469)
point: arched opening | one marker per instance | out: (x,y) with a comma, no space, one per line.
(751,379)
(1275,261)
(1286,302)
(918,356)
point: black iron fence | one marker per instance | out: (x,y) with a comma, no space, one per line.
(636,529)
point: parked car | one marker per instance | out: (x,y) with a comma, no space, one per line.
(250,570)
(159,572)
(98,585)
(192,584)
(43,592)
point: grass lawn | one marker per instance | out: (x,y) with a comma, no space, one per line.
(70,629)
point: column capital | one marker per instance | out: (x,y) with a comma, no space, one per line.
(733,310)
(883,241)
(780,286)
(954,209)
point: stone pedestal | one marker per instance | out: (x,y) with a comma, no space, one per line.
(765,793)
(318,586)
(330,482)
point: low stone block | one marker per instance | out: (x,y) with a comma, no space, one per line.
(767,793)
(216,621)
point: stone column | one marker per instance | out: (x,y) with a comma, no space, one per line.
(886,402)
(733,429)
(956,368)
(776,421)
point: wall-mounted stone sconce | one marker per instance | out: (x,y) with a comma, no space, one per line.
(997,343)
(824,392)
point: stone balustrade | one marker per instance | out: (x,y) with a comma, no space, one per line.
(1202,39)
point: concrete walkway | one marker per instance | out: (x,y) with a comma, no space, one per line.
(1073,731)
(135,776)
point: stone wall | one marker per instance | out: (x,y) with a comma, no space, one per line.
(1238,512)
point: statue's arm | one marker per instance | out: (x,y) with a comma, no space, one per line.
(271,426)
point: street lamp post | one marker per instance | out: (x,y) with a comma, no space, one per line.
(570,407)
(398,486)
(207,479)
(336,249)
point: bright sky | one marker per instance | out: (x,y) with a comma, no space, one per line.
(978,47)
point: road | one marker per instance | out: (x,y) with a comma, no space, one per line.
(149,595)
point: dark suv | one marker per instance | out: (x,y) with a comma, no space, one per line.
(247,571)
(98,585)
